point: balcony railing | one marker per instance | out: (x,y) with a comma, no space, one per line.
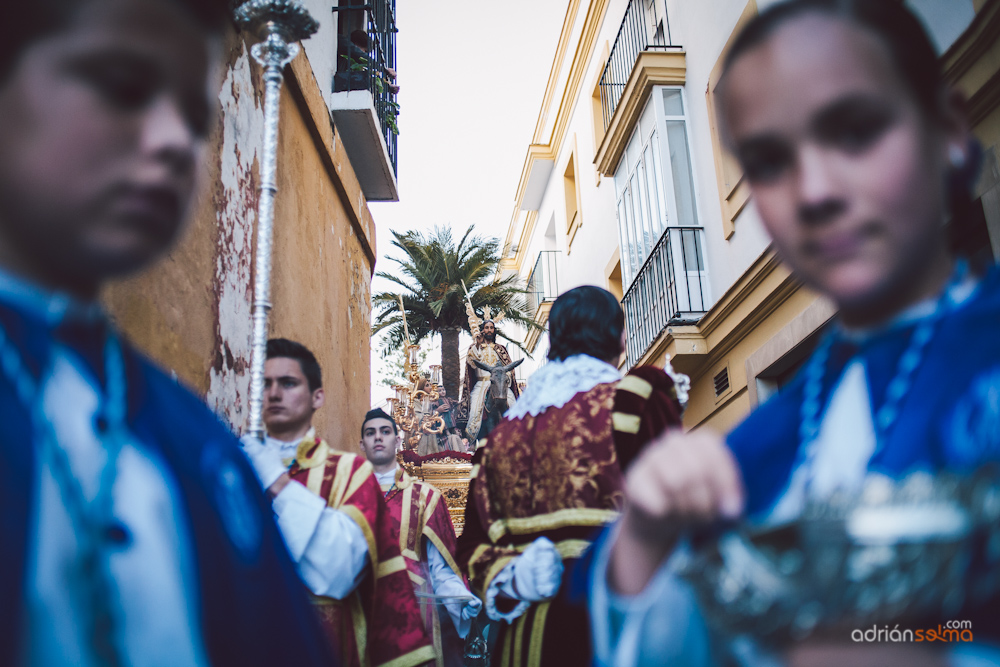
(543,283)
(645,27)
(366,60)
(670,288)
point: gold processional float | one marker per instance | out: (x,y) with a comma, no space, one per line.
(412,408)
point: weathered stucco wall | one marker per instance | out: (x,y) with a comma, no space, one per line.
(191,311)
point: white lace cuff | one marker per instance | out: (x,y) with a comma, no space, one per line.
(504,583)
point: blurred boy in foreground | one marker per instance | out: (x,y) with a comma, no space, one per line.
(133,529)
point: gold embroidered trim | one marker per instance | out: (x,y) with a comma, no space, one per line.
(402,479)
(626,423)
(340,479)
(319,456)
(442,549)
(494,570)
(476,555)
(359,518)
(323,601)
(391,566)
(537,635)
(415,657)
(505,656)
(314,480)
(359,477)
(519,638)
(436,632)
(635,385)
(566,548)
(404,521)
(570,516)
(433,497)
(360,629)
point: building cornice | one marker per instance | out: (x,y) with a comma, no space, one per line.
(541,318)
(652,68)
(547,148)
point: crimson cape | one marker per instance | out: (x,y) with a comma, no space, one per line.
(420,513)
(378,624)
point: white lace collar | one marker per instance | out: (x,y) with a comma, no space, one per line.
(555,383)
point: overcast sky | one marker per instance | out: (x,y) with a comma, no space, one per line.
(472,75)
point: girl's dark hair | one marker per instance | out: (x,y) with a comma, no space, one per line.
(586,320)
(916,62)
(901,32)
(289,349)
(29,21)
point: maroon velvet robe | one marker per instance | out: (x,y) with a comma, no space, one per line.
(557,475)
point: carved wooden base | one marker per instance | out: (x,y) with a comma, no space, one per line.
(450,476)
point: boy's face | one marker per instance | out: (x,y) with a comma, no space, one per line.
(103,126)
(379,441)
(847,170)
(289,404)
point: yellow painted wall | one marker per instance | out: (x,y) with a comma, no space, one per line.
(188,311)
(756,310)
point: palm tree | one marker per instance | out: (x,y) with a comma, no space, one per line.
(430,278)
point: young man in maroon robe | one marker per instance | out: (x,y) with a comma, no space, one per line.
(426,539)
(332,515)
(549,478)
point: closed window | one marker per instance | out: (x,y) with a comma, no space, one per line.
(654,194)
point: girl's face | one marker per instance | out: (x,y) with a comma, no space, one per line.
(848,173)
(103,124)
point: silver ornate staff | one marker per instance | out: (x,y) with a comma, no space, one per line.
(279,24)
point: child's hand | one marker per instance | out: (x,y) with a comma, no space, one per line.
(683,478)
(680,479)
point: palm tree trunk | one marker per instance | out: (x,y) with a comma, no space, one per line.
(450,371)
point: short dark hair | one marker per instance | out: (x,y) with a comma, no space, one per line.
(289,349)
(378,413)
(586,320)
(33,20)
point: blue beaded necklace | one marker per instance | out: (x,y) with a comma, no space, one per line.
(97,529)
(897,389)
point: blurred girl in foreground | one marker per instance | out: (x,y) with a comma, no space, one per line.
(858,156)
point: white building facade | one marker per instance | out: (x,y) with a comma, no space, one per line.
(626,185)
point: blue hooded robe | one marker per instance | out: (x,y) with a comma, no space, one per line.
(252,606)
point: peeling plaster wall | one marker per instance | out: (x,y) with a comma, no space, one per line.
(236,213)
(191,311)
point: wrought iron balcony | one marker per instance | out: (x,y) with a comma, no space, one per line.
(366,61)
(646,27)
(543,283)
(671,288)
